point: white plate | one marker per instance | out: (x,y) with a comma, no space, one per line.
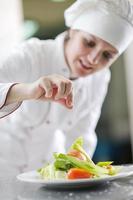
(34,177)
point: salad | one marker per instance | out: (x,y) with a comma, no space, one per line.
(76,164)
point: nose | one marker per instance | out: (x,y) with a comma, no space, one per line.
(94,57)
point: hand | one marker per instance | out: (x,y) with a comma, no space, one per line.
(53,87)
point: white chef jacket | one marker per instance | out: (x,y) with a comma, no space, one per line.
(36,129)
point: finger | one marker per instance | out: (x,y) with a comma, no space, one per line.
(44,98)
(62,102)
(61,91)
(47,85)
(55,90)
(69,100)
(68,88)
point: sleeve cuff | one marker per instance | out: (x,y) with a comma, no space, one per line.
(7,109)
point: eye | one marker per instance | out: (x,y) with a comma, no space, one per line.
(90,43)
(107,55)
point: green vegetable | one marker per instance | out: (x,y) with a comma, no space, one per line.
(63,162)
(102,164)
(77,145)
(74,162)
(49,172)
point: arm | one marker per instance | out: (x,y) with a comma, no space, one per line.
(52,87)
(18,93)
(14,69)
(20,80)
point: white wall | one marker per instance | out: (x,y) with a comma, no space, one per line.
(10,25)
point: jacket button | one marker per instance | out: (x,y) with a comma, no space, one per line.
(80,90)
(69,123)
(47,121)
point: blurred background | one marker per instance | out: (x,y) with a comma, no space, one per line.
(23,19)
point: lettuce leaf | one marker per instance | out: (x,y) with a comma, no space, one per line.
(77,145)
(50,173)
(105,163)
(63,162)
(74,162)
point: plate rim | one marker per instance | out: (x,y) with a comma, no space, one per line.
(123,174)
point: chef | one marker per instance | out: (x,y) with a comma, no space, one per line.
(39,79)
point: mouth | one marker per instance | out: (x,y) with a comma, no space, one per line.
(85,66)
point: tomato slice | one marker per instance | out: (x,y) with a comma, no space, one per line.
(76,173)
(76,154)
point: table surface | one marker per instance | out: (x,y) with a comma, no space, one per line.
(13,189)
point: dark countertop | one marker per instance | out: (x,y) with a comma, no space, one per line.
(13,189)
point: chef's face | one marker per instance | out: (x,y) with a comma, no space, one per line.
(86,53)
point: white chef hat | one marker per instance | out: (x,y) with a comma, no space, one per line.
(110,20)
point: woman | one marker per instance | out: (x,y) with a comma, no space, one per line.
(99,32)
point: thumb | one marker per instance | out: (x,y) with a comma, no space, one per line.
(64,103)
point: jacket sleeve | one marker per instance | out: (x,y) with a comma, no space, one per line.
(6,110)
(17,68)
(88,117)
